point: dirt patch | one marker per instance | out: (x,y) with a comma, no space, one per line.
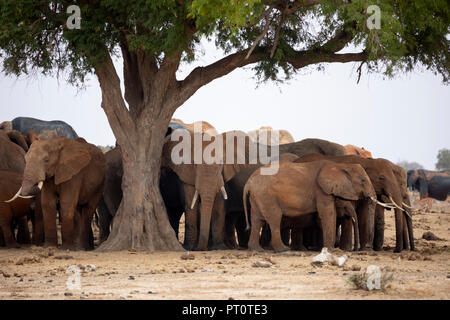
(39,273)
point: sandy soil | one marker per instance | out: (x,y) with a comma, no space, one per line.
(39,273)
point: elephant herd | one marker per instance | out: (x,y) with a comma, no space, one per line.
(322,194)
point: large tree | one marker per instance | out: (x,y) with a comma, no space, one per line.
(153,37)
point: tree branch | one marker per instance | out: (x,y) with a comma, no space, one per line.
(112,101)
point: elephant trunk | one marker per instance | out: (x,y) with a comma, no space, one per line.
(205,222)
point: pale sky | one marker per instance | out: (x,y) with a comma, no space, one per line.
(407,118)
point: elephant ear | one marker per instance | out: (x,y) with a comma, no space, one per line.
(73,157)
(229,171)
(335,180)
(16,137)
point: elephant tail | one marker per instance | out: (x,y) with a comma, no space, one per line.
(246,203)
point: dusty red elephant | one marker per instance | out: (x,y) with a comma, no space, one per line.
(70,172)
(354,150)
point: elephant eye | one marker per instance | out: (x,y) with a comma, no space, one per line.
(382,178)
(46,159)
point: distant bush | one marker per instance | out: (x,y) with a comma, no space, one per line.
(443,162)
(409,165)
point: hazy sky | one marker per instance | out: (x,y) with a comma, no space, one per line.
(407,118)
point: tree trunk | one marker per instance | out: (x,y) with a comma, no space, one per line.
(141,223)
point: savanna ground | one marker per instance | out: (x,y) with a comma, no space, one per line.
(41,273)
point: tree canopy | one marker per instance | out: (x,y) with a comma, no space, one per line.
(407,165)
(287,34)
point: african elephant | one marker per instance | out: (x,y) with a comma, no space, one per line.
(202,183)
(203,126)
(430,184)
(13,146)
(44,129)
(12,155)
(235,187)
(387,189)
(284,136)
(10,181)
(301,189)
(170,186)
(69,172)
(357,151)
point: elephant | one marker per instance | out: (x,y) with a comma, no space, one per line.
(44,129)
(357,151)
(12,154)
(284,136)
(13,146)
(18,210)
(234,206)
(387,189)
(170,186)
(430,184)
(302,189)
(203,182)
(70,175)
(204,126)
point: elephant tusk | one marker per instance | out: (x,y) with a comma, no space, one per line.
(405,205)
(40,184)
(382,204)
(353,219)
(395,204)
(17,195)
(194,199)
(224,193)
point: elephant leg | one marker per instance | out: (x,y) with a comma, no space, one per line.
(266,236)
(297,239)
(38,223)
(378,239)
(286,236)
(274,221)
(257,223)
(218,224)
(68,205)
(346,234)
(241,229)
(104,221)
(6,226)
(405,234)
(87,214)
(48,202)
(327,216)
(191,219)
(174,214)
(366,226)
(230,230)
(23,232)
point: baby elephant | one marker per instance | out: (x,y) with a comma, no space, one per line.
(10,181)
(301,189)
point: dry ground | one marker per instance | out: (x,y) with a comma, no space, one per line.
(38,273)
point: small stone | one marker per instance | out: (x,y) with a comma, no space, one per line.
(430,236)
(68,294)
(130,278)
(262,264)
(187,256)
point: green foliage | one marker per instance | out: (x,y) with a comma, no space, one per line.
(407,165)
(33,34)
(443,158)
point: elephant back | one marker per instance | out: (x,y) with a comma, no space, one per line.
(44,129)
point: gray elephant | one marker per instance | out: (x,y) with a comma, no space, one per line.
(44,129)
